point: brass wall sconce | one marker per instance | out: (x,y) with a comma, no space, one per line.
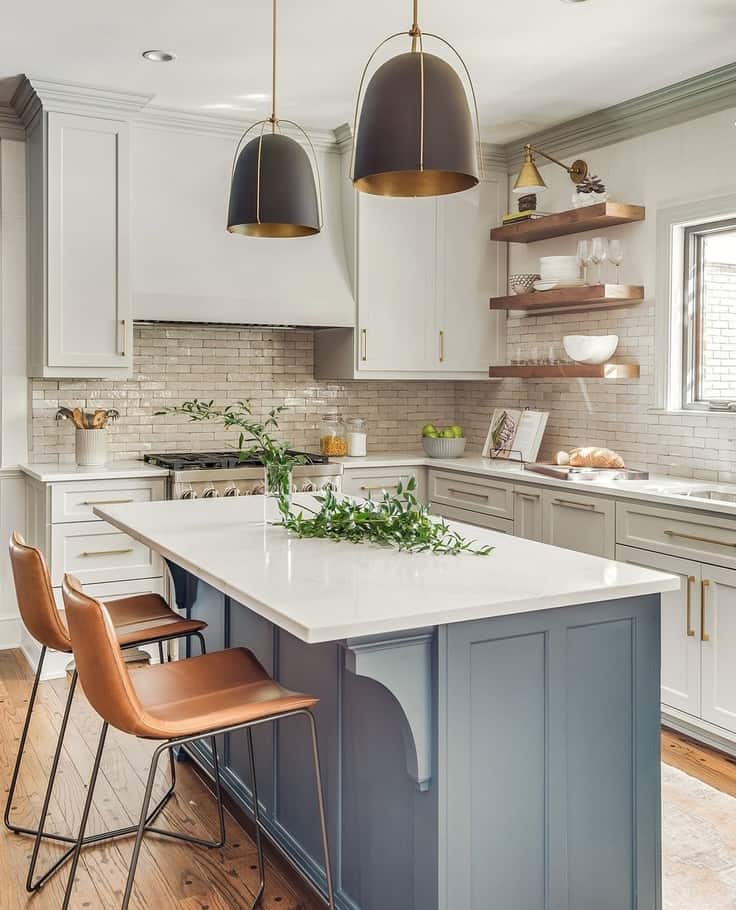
(530,180)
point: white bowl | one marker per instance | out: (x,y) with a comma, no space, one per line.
(590,348)
(443,448)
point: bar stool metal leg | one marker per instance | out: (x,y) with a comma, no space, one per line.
(85,816)
(257,820)
(321,806)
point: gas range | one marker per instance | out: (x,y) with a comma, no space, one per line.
(195,475)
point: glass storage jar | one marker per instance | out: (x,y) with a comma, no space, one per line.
(332,438)
(357,435)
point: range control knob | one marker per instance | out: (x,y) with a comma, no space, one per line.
(232,491)
(308,486)
(188,494)
(328,485)
(258,489)
(210,493)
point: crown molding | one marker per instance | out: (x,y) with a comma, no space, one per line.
(35,93)
(696,97)
(10,125)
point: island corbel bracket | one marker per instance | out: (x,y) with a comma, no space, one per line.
(402,663)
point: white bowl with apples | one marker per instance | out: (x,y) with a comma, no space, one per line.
(445,442)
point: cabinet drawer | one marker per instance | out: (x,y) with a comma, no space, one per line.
(98,552)
(504,525)
(479,494)
(369,483)
(75,500)
(704,537)
(111,590)
(582,523)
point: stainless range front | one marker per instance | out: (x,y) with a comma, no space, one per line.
(212,474)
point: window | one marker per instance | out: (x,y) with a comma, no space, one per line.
(709,315)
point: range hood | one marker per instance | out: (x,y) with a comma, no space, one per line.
(187,268)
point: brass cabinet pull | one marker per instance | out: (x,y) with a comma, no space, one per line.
(364,344)
(532,497)
(105,502)
(124,327)
(718,543)
(106,552)
(575,505)
(442,346)
(384,486)
(688,620)
(467,493)
(704,584)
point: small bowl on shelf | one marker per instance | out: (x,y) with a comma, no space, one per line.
(522,283)
(437,447)
(590,348)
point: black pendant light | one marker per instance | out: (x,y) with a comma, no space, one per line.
(414,133)
(272,188)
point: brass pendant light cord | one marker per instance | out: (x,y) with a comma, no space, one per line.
(273,71)
(414,31)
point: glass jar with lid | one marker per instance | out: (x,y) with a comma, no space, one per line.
(332,438)
(357,435)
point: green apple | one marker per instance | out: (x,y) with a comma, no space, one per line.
(447,434)
(429,429)
(457,431)
(433,434)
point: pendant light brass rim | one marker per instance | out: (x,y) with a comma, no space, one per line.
(273,229)
(416,183)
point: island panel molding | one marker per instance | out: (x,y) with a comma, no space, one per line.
(409,680)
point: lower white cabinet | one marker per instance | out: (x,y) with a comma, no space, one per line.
(718,646)
(504,525)
(576,522)
(528,512)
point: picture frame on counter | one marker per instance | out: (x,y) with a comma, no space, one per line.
(515,434)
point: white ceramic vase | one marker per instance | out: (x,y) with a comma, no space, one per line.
(91,446)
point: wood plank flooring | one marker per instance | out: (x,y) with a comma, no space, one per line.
(170,874)
(714,768)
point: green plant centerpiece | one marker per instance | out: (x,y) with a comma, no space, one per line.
(396,520)
(255,441)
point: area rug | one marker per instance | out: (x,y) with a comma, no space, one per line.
(698,844)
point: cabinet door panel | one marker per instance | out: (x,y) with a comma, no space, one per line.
(718,645)
(680,628)
(469,271)
(582,523)
(88,285)
(528,513)
(396,282)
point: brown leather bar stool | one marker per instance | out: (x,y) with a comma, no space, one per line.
(176,703)
(139,620)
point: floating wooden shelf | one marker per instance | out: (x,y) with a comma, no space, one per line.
(567,371)
(575,221)
(589,297)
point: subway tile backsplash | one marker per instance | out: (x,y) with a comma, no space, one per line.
(271,367)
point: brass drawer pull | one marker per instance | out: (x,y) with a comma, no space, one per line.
(530,496)
(575,505)
(704,584)
(105,502)
(467,493)
(718,543)
(124,327)
(364,344)
(442,346)
(107,552)
(688,621)
(391,486)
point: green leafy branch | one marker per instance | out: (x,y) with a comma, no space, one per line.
(399,521)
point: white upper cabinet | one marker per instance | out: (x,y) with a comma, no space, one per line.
(424,270)
(79,239)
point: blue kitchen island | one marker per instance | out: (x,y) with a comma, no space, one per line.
(489,725)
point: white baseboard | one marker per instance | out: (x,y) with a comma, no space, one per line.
(699,730)
(10,633)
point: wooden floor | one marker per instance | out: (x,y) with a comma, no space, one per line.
(170,874)
(713,768)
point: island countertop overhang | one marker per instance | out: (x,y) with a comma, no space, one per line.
(320,591)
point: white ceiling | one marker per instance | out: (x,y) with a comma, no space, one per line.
(534,63)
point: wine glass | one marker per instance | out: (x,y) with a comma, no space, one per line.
(616,256)
(584,257)
(599,253)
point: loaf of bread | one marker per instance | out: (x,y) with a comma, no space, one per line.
(593,457)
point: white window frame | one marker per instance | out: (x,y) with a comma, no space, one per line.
(674,226)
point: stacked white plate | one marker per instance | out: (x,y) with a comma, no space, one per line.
(558,272)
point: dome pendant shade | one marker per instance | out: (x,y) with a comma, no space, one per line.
(272,193)
(390,157)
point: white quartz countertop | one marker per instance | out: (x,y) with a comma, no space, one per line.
(113,470)
(320,590)
(657,489)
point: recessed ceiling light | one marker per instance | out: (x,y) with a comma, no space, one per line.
(159,56)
